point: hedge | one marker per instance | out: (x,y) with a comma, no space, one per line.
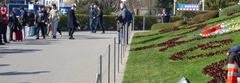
(203,17)
(110,23)
(230,10)
(157,27)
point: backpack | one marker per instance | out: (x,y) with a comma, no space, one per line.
(129,16)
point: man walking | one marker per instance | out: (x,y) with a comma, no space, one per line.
(13,23)
(72,21)
(23,20)
(122,20)
(32,29)
(99,19)
(41,21)
(93,17)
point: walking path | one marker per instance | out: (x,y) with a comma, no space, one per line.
(55,61)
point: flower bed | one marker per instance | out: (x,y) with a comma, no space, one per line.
(194,29)
(156,45)
(140,36)
(167,30)
(177,43)
(225,27)
(216,71)
(210,45)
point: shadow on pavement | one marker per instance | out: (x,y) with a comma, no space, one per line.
(89,37)
(36,42)
(3,65)
(9,51)
(22,73)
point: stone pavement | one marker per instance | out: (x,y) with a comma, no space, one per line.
(56,61)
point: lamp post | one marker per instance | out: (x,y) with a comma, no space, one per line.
(203,4)
(174,8)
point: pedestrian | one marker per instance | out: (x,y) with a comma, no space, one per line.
(128,23)
(48,22)
(13,24)
(23,20)
(233,62)
(4,13)
(31,24)
(93,17)
(1,21)
(41,20)
(122,20)
(100,19)
(54,18)
(72,21)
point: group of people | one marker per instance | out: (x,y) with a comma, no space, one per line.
(46,19)
(31,23)
(96,18)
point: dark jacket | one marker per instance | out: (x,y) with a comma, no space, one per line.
(14,23)
(100,13)
(41,17)
(23,18)
(72,20)
(31,19)
(93,13)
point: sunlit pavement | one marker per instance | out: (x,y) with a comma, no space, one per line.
(54,61)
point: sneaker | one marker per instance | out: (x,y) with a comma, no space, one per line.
(54,37)
(37,38)
(6,42)
(2,44)
(71,38)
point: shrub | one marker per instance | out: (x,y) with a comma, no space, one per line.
(230,10)
(157,27)
(203,17)
(188,15)
(108,21)
(150,20)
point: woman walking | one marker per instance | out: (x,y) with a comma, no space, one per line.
(54,18)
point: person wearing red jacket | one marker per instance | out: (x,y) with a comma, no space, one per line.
(4,13)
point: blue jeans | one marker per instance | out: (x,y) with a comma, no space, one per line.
(92,25)
(54,27)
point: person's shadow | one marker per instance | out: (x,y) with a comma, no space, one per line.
(22,73)
(11,51)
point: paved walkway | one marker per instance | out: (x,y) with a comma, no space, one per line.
(55,61)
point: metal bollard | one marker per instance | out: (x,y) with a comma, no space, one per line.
(114,47)
(100,69)
(144,22)
(109,58)
(118,56)
(121,53)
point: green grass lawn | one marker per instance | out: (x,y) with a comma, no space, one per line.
(152,66)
